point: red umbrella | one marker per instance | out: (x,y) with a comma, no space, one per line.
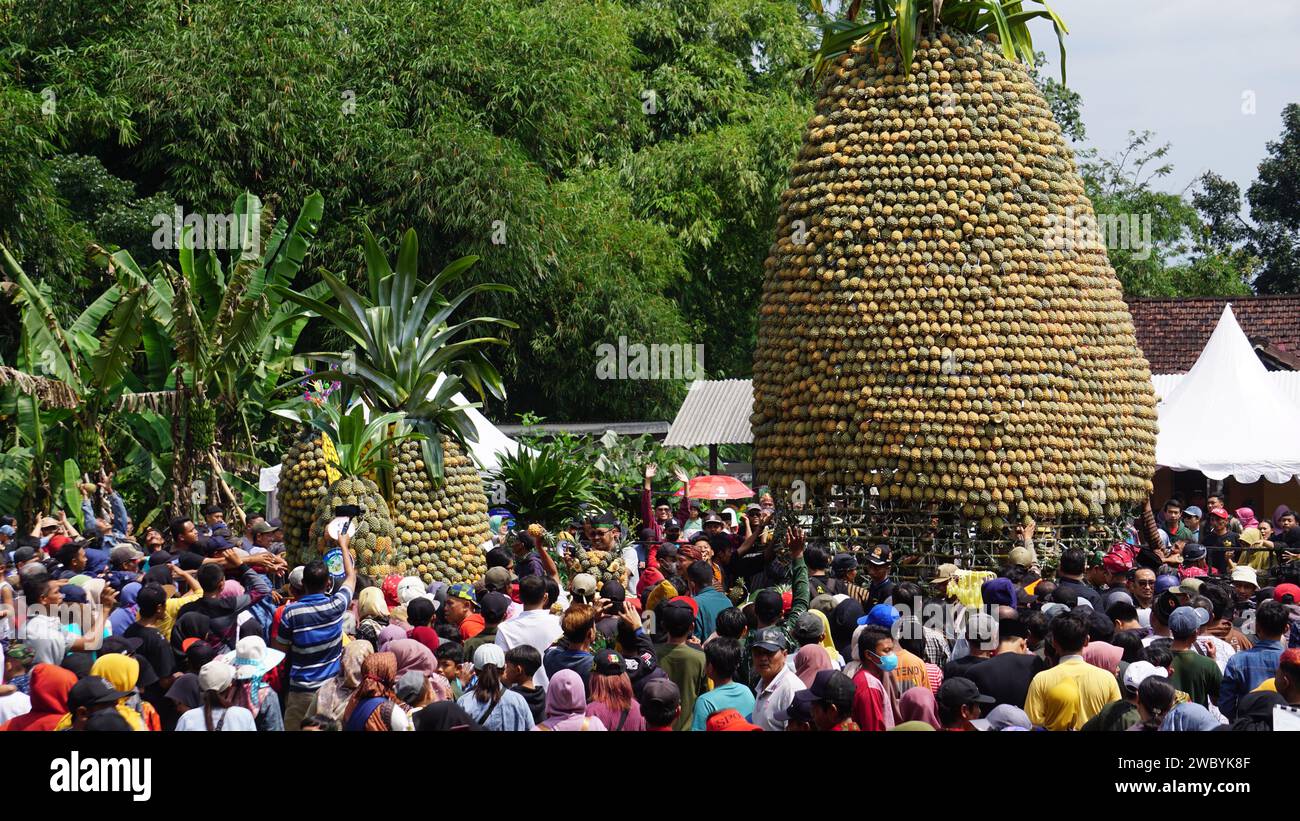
(717,487)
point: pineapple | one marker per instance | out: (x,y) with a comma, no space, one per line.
(373,536)
(930,323)
(440,527)
(303,482)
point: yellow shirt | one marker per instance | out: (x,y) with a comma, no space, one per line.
(172,607)
(1097,688)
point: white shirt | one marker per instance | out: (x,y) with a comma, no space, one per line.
(536,628)
(236,719)
(631,558)
(48,639)
(774,698)
(13,705)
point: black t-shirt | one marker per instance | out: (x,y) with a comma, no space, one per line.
(536,698)
(960,668)
(1081,590)
(1216,548)
(1006,676)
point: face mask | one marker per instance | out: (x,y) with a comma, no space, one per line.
(45,540)
(888,663)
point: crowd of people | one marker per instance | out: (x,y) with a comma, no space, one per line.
(711,628)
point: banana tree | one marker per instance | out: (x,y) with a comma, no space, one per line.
(409,356)
(67,382)
(217,342)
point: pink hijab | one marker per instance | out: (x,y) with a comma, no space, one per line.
(918,704)
(232,588)
(390,635)
(810,660)
(412,655)
(1247,517)
(1104,655)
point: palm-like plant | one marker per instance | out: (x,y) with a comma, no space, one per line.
(544,485)
(904,21)
(410,355)
(218,342)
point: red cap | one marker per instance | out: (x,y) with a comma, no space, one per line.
(1287,590)
(1220,512)
(729,720)
(56,542)
(1118,560)
(695,608)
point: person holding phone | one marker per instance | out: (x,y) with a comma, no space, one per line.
(311,632)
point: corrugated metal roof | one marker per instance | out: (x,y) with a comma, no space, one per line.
(1286,382)
(714,413)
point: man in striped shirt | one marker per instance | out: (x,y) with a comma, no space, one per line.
(311,633)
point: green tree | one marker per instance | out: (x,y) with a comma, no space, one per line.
(1271,238)
(618,162)
(1166,252)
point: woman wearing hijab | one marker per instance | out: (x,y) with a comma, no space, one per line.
(375,707)
(1008,717)
(387,636)
(844,622)
(372,615)
(125,613)
(195,626)
(122,673)
(332,697)
(494,706)
(185,693)
(445,717)
(1061,706)
(1189,717)
(809,661)
(918,704)
(50,685)
(427,637)
(412,655)
(1103,654)
(566,705)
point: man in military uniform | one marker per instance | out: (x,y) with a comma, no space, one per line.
(882,584)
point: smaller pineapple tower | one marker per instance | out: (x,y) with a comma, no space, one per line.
(372,537)
(303,482)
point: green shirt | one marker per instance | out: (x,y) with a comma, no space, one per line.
(1196,675)
(798,606)
(1118,715)
(685,666)
(487,636)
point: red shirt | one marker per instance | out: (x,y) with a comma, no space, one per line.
(472,626)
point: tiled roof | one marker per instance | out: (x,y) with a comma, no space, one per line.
(1172,332)
(714,413)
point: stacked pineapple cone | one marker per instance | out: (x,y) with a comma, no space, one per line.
(440,527)
(933,322)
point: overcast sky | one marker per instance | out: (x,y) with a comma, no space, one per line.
(1180,68)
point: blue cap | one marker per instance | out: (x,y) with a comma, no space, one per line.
(1193,510)
(882,615)
(8,530)
(1185,621)
(1166,582)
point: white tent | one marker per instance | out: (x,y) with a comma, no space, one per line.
(1226,417)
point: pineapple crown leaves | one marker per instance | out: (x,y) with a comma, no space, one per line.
(902,22)
(409,356)
(362,444)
